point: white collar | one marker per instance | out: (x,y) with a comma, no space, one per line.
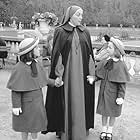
(72,24)
(114,59)
(29,63)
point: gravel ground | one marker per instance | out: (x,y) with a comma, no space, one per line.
(127,126)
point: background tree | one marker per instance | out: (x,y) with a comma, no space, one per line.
(114,12)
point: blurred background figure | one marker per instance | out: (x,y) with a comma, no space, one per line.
(47,51)
(3,52)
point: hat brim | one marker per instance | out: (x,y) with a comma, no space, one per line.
(118,44)
(32,46)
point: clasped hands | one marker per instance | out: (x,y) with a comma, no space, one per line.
(58,82)
(17,111)
(90,79)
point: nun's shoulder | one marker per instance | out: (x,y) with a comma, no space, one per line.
(59,29)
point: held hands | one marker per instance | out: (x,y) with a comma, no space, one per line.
(16,111)
(119,101)
(90,79)
(58,82)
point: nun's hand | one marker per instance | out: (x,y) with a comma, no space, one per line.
(16,111)
(90,79)
(58,82)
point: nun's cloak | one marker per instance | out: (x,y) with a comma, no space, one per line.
(70,108)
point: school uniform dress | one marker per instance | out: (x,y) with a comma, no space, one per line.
(113,85)
(27,94)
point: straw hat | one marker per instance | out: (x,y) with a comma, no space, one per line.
(118,44)
(27,45)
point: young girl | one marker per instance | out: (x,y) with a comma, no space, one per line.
(26,82)
(114,76)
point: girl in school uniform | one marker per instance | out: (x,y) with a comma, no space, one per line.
(114,75)
(26,82)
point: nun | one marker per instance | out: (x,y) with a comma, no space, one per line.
(70,106)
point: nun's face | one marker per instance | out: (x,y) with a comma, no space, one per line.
(77,17)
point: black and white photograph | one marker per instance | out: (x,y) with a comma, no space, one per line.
(69,69)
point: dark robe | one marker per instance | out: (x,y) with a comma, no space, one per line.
(55,100)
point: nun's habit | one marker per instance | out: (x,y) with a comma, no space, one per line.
(70,108)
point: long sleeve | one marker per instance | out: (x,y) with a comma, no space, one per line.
(50,82)
(16,99)
(121,90)
(103,54)
(91,66)
(59,69)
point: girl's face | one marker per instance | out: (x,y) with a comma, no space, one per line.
(37,51)
(77,17)
(110,48)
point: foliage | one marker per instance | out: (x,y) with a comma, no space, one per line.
(49,17)
(124,35)
(102,12)
(100,36)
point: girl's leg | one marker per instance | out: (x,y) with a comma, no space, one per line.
(34,136)
(24,135)
(104,127)
(110,127)
(104,123)
(111,124)
(104,120)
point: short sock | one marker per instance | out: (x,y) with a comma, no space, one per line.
(104,128)
(109,130)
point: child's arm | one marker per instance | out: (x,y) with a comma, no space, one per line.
(50,82)
(121,93)
(16,102)
(121,90)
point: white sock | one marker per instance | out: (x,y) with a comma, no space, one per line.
(109,130)
(104,128)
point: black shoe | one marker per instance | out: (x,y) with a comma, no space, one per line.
(109,136)
(44,132)
(103,136)
(58,135)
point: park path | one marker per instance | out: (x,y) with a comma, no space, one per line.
(127,126)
